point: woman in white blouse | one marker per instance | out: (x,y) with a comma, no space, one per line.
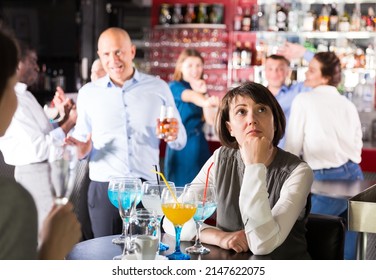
(324,128)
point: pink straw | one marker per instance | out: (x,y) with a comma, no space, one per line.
(206,183)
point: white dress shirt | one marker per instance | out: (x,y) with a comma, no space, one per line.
(325,128)
(30,134)
(122,122)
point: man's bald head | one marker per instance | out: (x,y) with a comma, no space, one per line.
(113,32)
(116,53)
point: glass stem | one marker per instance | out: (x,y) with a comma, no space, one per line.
(124,230)
(198,229)
(177,238)
(126,235)
(159,229)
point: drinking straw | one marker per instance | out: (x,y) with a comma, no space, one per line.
(168,186)
(159,182)
(206,184)
(156,170)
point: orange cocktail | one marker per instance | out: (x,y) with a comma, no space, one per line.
(179,213)
(179,205)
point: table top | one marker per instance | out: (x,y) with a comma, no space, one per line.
(340,189)
(102,248)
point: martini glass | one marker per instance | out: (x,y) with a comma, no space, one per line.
(207,204)
(113,190)
(128,193)
(151,200)
(179,204)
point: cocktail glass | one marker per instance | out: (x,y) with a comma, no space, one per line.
(134,185)
(179,204)
(151,200)
(206,205)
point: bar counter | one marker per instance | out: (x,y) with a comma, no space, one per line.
(102,248)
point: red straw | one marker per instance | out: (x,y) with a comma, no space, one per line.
(206,183)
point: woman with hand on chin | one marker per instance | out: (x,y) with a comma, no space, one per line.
(263,191)
(195,108)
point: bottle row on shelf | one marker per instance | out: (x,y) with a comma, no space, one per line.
(178,13)
(296,16)
(49,79)
(352,56)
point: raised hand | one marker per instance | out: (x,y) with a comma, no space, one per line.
(83,148)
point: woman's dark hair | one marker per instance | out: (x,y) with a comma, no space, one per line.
(330,67)
(183,55)
(9,57)
(260,95)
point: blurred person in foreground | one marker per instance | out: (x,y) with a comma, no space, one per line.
(195,107)
(116,126)
(28,140)
(325,128)
(263,191)
(18,213)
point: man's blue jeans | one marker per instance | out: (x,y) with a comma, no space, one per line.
(335,206)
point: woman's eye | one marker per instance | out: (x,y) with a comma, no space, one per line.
(240,112)
(261,109)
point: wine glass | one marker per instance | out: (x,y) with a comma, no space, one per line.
(206,205)
(179,204)
(151,200)
(112,192)
(63,163)
(128,195)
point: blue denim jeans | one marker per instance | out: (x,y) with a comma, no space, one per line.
(350,171)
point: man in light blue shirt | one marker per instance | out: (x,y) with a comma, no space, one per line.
(116,126)
(277,70)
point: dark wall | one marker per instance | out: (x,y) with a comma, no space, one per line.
(65,31)
(52,28)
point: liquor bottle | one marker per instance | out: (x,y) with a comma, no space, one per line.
(370,20)
(364,94)
(344,23)
(262,20)
(236,55)
(60,79)
(238,19)
(333,18)
(293,18)
(255,19)
(260,53)
(190,16)
(309,21)
(246,21)
(272,21)
(164,14)
(202,16)
(360,58)
(370,57)
(177,16)
(246,55)
(282,16)
(323,19)
(42,77)
(356,18)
